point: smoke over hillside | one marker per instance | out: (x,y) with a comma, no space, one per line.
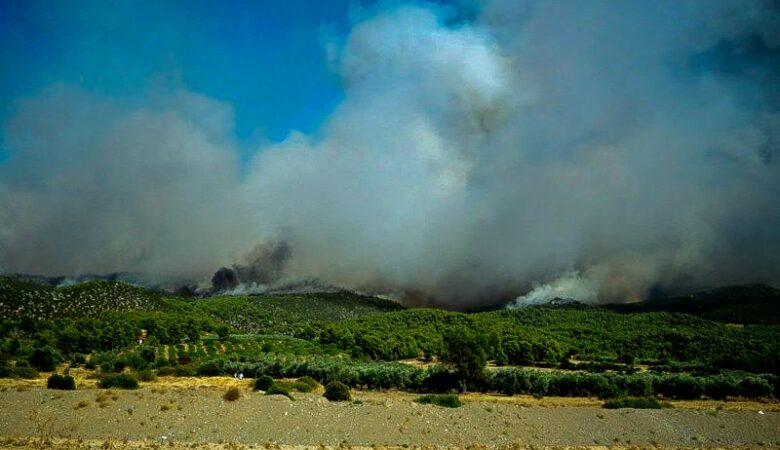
(608,147)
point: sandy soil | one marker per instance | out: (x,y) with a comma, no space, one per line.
(198,414)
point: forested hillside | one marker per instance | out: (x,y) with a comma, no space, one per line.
(360,340)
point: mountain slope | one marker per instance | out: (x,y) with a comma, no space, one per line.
(20,298)
(745,304)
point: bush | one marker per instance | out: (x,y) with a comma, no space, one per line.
(684,387)
(755,387)
(161,362)
(18,372)
(78,359)
(337,391)
(232,394)
(28,373)
(44,359)
(146,375)
(64,382)
(304,384)
(210,368)
(184,371)
(444,400)
(165,371)
(633,402)
(264,383)
(134,360)
(148,353)
(120,380)
(276,389)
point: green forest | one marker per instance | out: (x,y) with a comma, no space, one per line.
(679,348)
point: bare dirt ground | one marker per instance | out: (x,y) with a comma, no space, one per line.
(193,411)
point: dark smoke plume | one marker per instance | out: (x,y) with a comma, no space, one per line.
(263,266)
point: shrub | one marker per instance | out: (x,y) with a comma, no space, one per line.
(264,383)
(78,359)
(304,384)
(44,359)
(134,360)
(64,382)
(119,380)
(28,373)
(680,386)
(148,353)
(276,389)
(146,375)
(444,400)
(440,379)
(337,391)
(161,362)
(184,371)
(232,394)
(165,371)
(755,387)
(210,368)
(633,402)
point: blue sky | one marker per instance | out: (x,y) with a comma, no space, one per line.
(265,58)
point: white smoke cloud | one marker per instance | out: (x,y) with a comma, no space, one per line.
(568,286)
(95,187)
(600,141)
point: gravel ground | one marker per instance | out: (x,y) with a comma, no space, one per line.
(201,415)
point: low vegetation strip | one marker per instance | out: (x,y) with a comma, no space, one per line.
(633,402)
(444,400)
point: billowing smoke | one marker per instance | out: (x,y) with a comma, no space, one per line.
(568,286)
(609,146)
(263,266)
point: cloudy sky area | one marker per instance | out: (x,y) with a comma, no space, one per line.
(447,153)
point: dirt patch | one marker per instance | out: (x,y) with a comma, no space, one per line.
(198,414)
(114,444)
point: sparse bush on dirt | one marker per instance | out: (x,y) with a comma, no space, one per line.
(232,394)
(633,402)
(81,404)
(444,400)
(337,391)
(263,383)
(120,380)
(63,382)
